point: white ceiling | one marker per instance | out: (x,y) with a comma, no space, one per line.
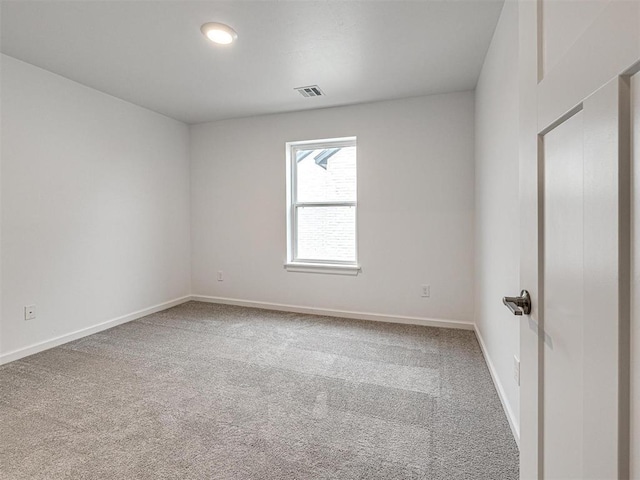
(152,53)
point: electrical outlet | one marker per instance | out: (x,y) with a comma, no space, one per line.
(426,291)
(30,312)
(220,276)
(516,370)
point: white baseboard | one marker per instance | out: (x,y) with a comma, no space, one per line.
(54,342)
(377,317)
(513,421)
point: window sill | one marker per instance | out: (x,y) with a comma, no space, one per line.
(331,269)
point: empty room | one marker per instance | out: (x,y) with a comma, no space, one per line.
(320,239)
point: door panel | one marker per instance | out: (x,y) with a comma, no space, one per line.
(563,280)
(609,45)
(606,282)
(563,23)
(585,292)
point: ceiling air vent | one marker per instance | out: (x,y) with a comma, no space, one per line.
(310,91)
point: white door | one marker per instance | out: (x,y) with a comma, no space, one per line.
(584,296)
(575,190)
(576,62)
(583,293)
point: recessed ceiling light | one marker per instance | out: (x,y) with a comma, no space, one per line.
(219,33)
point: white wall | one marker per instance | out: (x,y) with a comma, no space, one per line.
(415,187)
(497,206)
(95,207)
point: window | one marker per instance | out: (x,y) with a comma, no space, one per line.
(321,206)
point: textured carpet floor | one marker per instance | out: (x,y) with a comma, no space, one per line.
(205,391)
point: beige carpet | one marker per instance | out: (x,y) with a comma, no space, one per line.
(206,391)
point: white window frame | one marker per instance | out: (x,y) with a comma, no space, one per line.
(293,263)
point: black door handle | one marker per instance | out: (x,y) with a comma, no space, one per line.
(519,305)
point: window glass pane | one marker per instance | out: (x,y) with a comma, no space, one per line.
(326,174)
(327,233)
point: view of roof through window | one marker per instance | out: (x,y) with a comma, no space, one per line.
(326,175)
